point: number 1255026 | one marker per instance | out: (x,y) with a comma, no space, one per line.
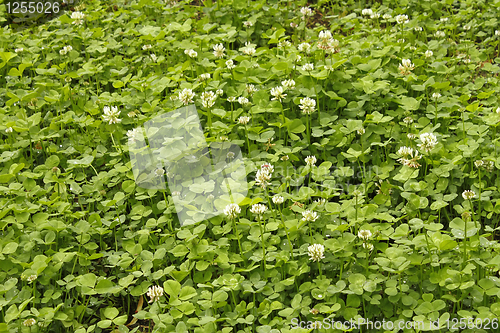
(32,7)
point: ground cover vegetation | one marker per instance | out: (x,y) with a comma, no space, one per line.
(370,132)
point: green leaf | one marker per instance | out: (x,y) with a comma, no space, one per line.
(111,312)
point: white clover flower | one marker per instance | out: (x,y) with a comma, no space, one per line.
(111,115)
(258,209)
(307,105)
(186,96)
(288,84)
(32,278)
(309,216)
(369,246)
(466,27)
(154,293)
(285,158)
(264,175)
(497,32)
(409,157)
(310,160)
(248,49)
(247,24)
(439,34)
(400,19)
(219,50)
(293,25)
(250,88)
(285,43)
(308,67)
(418,28)
(405,151)
(428,53)
(153,57)
(304,47)
(408,120)
(19,50)
(65,50)
(367,12)
(429,141)
(8,130)
(208,99)
(387,16)
(316,252)
(160,172)
(436,96)
(375,15)
(77,17)
(204,76)
(277,93)
(468,194)
(146,47)
(191,53)
(278,200)
(411,136)
(325,35)
(320,201)
(219,92)
(231,99)
(360,131)
(467,61)
(243,100)
(243,120)
(406,66)
(232,210)
(365,234)
(135,135)
(176,194)
(230,155)
(401,40)
(230,64)
(29,322)
(478,163)
(306,11)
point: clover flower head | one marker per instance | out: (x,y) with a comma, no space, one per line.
(309,216)
(418,28)
(19,50)
(408,120)
(436,96)
(243,120)
(232,210)
(375,15)
(247,24)
(428,53)
(111,115)
(29,322)
(360,131)
(405,151)
(387,16)
(320,201)
(400,19)
(444,19)
(230,64)
(364,234)
(497,32)
(248,49)
(284,43)
(250,88)
(368,246)
(191,53)
(439,34)
(466,216)
(277,93)
(77,17)
(153,57)
(243,100)
(264,175)
(310,160)
(411,136)
(154,293)
(219,92)
(146,47)
(409,157)
(8,130)
(304,47)
(367,12)
(219,50)
(316,252)
(278,200)
(32,278)
(288,84)
(307,105)
(186,96)
(258,209)
(204,76)
(406,66)
(478,163)
(135,135)
(468,194)
(285,158)
(308,67)
(306,11)
(293,25)
(466,27)
(231,99)
(208,99)
(325,35)
(159,172)
(65,50)
(429,141)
